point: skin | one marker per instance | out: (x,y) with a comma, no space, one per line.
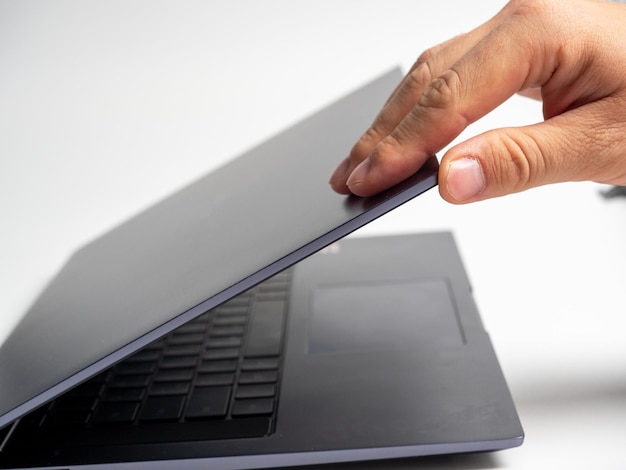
(570,54)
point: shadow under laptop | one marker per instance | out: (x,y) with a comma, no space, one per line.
(470,461)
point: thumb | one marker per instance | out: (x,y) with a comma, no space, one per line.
(492,164)
(510,160)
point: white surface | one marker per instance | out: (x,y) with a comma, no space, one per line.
(107,107)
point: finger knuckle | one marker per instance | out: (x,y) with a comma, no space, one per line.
(524,162)
(535,11)
(425,56)
(418,79)
(442,92)
(371,136)
(529,5)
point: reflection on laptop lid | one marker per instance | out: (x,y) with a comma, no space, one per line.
(193,264)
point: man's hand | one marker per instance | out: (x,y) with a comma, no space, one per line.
(570,54)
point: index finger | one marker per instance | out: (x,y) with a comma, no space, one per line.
(407,94)
(504,62)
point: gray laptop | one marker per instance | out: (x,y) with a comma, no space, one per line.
(197,334)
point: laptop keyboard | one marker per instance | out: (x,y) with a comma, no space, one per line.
(216,377)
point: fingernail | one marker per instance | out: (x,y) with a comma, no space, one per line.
(465,179)
(359,174)
(339,172)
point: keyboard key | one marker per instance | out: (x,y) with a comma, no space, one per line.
(227,342)
(218,366)
(231,320)
(69,418)
(167,408)
(256,391)
(258,377)
(280,287)
(101,378)
(116,413)
(193,327)
(146,355)
(237,303)
(212,380)
(129,381)
(231,353)
(178,362)
(187,350)
(174,375)
(134,368)
(208,402)
(169,388)
(266,326)
(76,403)
(253,407)
(125,394)
(182,339)
(221,331)
(156,345)
(204,318)
(260,363)
(87,389)
(270,295)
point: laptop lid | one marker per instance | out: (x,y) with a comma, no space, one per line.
(250,219)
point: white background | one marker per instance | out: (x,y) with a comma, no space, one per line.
(106,107)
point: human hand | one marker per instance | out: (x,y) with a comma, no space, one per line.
(570,54)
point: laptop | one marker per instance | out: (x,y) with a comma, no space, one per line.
(233,326)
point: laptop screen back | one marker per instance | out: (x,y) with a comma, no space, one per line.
(248,220)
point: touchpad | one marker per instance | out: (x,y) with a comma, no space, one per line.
(360,317)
